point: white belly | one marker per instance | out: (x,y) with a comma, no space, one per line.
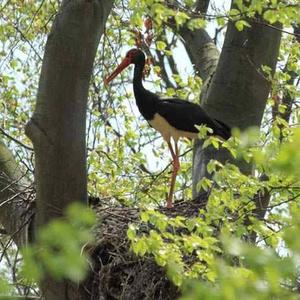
(168,131)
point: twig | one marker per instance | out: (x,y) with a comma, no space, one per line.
(15,140)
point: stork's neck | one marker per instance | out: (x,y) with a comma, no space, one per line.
(145,100)
(138,87)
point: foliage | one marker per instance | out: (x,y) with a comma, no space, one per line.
(209,246)
(253,272)
(59,247)
(59,250)
(4,287)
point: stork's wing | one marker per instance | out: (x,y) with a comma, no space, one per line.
(184,115)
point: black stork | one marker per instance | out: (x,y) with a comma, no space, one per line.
(173,118)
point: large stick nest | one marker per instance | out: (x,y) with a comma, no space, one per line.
(117,272)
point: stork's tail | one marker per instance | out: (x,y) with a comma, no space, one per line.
(222,130)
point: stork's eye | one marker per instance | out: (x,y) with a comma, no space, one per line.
(130,55)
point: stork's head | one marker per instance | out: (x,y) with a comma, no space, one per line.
(133,56)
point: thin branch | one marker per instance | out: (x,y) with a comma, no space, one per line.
(15,140)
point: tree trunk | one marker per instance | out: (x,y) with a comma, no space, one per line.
(239,89)
(15,206)
(57,127)
(201,50)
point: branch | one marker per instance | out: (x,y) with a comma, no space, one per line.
(15,140)
(200,47)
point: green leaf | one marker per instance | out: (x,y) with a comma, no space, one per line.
(206,143)
(234,13)
(131,232)
(140,247)
(221,21)
(160,45)
(211,166)
(270,16)
(241,24)
(175,271)
(181,18)
(196,23)
(204,184)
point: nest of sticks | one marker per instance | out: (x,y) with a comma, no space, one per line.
(117,273)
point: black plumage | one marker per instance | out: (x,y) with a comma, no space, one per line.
(185,115)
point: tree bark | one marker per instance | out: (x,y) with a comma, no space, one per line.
(15,208)
(239,89)
(200,47)
(201,50)
(202,6)
(57,127)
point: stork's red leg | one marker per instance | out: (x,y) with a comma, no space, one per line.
(176,167)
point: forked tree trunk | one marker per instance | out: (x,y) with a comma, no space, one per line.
(238,91)
(57,127)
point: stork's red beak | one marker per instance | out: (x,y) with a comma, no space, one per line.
(125,63)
